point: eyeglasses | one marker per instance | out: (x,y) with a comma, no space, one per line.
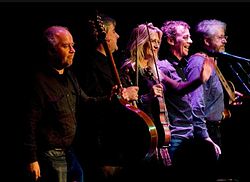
(222,37)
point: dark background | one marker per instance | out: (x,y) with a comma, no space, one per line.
(21,28)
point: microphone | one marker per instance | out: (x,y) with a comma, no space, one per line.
(225,54)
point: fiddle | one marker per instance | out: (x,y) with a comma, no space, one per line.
(164,132)
(163,114)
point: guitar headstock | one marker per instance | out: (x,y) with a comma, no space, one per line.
(97,28)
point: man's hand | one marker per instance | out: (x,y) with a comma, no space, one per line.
(207,68)
(34,170)
(216,147)
(130,93)
(237,101)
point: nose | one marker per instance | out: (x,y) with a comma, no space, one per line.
(117,35)
(72,49)
(156,46)
(190,40)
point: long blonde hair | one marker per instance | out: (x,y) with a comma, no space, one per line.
(139,37)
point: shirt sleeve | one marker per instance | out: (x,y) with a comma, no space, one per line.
(193,70)
(172,81)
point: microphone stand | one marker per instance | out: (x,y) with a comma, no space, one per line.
(236,57)
(239,78)
(226,54)
(244,71)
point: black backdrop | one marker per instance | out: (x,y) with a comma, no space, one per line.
(22,25)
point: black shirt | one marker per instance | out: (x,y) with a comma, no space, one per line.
(51,114)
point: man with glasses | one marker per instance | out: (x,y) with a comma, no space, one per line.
(208,100)
(210,38)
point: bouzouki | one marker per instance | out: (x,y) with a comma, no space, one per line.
(138,132)
(230,89)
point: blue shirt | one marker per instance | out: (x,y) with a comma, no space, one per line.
(183,121)
(208,99)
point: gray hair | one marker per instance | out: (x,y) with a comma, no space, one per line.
(207,28)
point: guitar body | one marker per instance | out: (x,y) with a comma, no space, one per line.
(137,133)
(129,135)
(163,129)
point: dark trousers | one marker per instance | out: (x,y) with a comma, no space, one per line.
(58,165)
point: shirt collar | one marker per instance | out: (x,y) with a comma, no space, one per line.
(175,61)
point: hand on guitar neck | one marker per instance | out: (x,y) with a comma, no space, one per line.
(237,100)
(226,114)
(129,94)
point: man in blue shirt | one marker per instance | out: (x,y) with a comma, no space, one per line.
(190,140)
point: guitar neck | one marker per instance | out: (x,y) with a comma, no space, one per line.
(114,68)
(225,84)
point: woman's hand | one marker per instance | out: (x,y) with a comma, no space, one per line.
(157,90)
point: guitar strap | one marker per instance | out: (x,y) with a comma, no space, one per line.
(223,81)
(226,113)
